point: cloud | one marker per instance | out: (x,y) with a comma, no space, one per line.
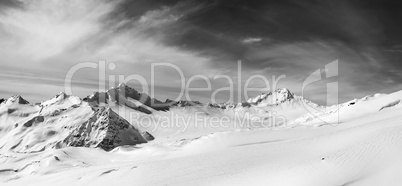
(49,37)
(251,40)
(45,38)
(42,29)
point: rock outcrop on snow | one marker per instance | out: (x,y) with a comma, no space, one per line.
(34,120)
(182,103)
(104,129)
(147,136)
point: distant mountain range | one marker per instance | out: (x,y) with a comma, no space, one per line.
(95,121)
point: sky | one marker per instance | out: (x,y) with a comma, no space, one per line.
(42,40)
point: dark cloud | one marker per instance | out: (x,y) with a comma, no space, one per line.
(301,36)
(10,4)
(217,27)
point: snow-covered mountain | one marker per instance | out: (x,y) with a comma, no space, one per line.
(66,120)
(59,122)
(126,96)
(95,121)
(275,97)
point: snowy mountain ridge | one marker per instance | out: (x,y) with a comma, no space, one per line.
(67,120)
(272,98)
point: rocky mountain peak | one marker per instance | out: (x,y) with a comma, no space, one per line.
(17,99)
(272,98)
(105,129)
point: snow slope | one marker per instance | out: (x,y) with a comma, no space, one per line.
(353,109)
(352,144)
(276,110)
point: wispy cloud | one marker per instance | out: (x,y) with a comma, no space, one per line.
(52,36)
(42,29)
(251,40)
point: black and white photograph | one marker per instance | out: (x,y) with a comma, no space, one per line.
(201,92)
